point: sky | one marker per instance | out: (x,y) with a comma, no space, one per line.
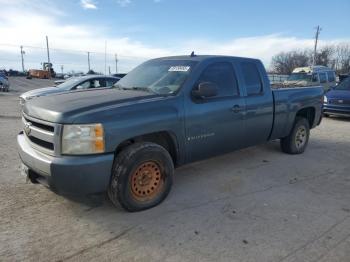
(137,30)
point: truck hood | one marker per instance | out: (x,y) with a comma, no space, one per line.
(65,107)
(338,94)
(40,92)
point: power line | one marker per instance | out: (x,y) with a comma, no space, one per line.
(68,50)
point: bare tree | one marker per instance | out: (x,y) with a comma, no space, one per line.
(325,56)
(334,56)
(342,58)
(285,62)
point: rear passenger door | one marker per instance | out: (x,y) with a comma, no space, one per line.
(215,125)
(258,100)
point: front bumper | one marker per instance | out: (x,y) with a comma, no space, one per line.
(67,174)
(336,109)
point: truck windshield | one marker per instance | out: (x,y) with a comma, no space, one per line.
(157,76)
(343,85)
(69,84)
(299,77)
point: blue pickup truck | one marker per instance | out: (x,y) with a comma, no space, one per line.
(165,113)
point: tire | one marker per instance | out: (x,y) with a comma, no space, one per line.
(297,141)
(142,177)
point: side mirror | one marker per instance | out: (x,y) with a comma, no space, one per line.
(205,90)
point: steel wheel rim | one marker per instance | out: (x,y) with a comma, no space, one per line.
(146,181)
(300,137)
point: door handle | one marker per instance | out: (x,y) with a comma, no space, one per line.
(235,109)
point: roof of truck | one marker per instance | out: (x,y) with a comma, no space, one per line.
(199,58)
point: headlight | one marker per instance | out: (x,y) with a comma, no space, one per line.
(325,100)
(83,139)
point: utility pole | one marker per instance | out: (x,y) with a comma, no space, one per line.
(89,60)
(48,56)
(47,47)
(109,69)
(116,63)
(22,53)
(105,57)
(62,69)
(318,30)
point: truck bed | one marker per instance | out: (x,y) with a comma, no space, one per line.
(287,101)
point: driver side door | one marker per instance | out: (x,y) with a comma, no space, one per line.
(215,125)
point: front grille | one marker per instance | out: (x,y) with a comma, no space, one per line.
(41,126)
(41,143)
(41,134)
(339,101)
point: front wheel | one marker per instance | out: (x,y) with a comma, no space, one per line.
(296,142)
(142,177)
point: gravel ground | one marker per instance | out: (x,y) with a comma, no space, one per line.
(256,204)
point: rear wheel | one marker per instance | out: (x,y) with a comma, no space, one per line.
(142,177)
(296,142)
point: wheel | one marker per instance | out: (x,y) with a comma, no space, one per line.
(296,142)
(325,115)
(142,177)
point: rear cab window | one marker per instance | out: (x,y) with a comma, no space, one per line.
(252,78)
(322,76)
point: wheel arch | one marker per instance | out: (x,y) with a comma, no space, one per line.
(308,113)
(166,139)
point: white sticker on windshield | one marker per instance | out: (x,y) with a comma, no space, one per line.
(179,68)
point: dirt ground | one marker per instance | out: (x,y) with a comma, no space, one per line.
(256,204)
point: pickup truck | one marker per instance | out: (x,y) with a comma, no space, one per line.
(165,113)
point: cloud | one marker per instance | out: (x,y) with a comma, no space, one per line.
(123,3)
(88,4)
(262,47)
(47,19)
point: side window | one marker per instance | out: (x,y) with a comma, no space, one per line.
(84,85)
(323,78)
(251,78)
(100,83)
(331,76)
(222,74)
(110,82)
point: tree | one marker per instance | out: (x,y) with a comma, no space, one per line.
(342,58)
(334,56)
(285,62)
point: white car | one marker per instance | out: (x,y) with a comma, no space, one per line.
(72,84)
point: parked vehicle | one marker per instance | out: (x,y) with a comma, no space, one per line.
(4,84)
(3,75)
(312,76)
(75,83)
(337,100)
(166,112)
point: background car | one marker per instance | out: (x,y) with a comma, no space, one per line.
(74,83)
(312,76)
(4,84)
(337,100)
